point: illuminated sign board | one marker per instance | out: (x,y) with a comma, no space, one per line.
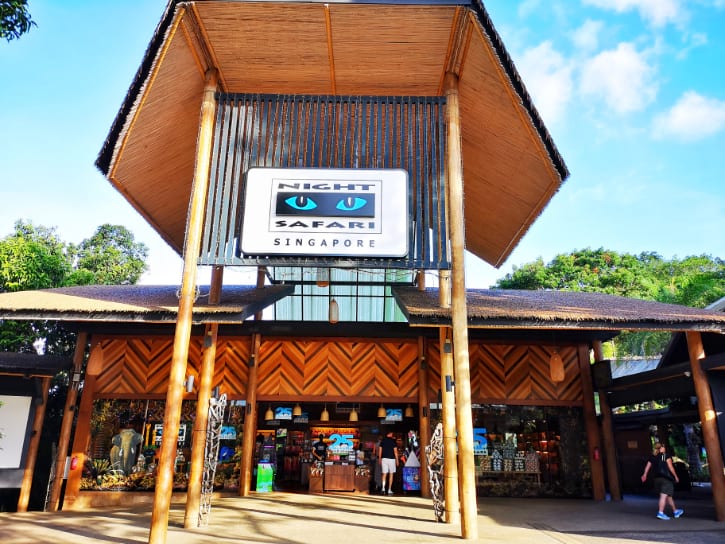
(326,212)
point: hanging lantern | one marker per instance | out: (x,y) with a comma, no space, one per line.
(322,277)
(353,414)
(334,315)
(269,414)
(382,413)
(556,367)
(297,410)
(325,415)
(408,411)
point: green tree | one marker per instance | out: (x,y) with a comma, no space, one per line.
(15,19)
(111,256)
(693,281)
(34,257)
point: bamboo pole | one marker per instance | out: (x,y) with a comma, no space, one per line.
(198,443)
(27,483)
(175,391)
(82,437)
(448,418)
(423,415)
(459,313)
(708,419)
(590,423)
(448,412)
(66,424)
(610,449)
(250,421)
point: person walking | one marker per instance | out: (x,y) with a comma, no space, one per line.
(664,477)
(388,456)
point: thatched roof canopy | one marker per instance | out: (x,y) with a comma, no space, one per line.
(31,365)
(491,308)
(144,303)
(511,166)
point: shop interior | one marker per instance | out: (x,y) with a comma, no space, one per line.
(126,435)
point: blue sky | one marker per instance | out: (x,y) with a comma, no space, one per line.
(632,91)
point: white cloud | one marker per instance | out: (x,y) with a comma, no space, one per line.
(693,117)
(657,12)
(548,77)
(527,7)
(586,37)
(692,41)
(621,78)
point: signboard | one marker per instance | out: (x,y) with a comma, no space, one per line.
(159,429)
(393,414)
(326,212)
(338,439)
(14,419)
(283,413)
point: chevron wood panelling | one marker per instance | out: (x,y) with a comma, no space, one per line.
(338,368)
(141,365)
(318,368)
(504,373)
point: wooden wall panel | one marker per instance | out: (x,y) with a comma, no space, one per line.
(338,368)
(317,368)
(509,373)
(231,370)
(140,366)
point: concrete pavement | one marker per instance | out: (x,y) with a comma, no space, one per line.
(342,518)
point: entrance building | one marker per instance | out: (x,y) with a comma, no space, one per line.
(350,152)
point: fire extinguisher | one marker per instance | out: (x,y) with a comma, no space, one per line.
(74,462)
(596,454)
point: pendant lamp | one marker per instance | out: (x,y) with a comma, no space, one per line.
(269,414)
(353,414)
(297,410)
(325,415)
(322,277)
(334,315)
(409,411)
(382,412)
(556,367)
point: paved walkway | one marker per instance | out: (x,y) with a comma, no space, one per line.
(373,519)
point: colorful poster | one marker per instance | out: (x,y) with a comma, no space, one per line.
(265,477)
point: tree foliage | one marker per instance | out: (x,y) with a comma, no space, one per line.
(15,19)
(693,281)
(34,257)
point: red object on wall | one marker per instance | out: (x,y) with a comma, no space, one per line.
(596,454)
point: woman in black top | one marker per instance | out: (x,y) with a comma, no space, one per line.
(664,475)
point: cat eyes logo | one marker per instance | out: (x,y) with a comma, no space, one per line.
(325,212)
(326,204)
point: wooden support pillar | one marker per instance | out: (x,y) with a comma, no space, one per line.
(177,373)
(27,483)
(610,448)
(250,421)
(459,312)
(423,415)
(82,437)
(198,441)
(591,425)
(708,420)
(66,424)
